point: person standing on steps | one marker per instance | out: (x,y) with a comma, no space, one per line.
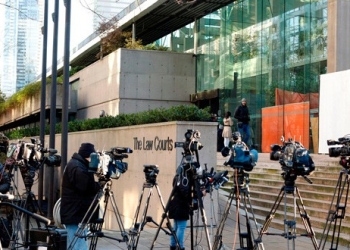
(243,117)
(227,131)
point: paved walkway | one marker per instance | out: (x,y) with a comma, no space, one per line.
(230,235)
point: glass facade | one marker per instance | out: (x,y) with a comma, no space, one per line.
(270,52)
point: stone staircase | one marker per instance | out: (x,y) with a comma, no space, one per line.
(266,183)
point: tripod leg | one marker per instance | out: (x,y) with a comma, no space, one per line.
(306,220)
(81,232)
(165,216)
(271,215)
(118,218)
(201,208)
(290,225)
(246,200)
(135,226)
(338,212)
(143,218)
(218,235)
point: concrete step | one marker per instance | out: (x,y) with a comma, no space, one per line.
(279,216)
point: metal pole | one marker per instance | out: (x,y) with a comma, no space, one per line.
(65,98)
(43,100)
(53,110)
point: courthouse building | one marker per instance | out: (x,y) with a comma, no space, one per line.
(271,52)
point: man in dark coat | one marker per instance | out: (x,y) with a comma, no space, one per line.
(79,189)
(243,118)
(5,181)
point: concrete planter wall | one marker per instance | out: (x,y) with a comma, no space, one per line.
(151,144)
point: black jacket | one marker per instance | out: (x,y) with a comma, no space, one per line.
(242,114)
(79,189)
(179,204)
(4,180)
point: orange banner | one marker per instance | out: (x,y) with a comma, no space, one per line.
(291,121)
(286,97)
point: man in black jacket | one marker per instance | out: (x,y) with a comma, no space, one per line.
(5,181)
(78,192)
(243,117)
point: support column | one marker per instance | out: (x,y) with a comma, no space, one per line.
(338,35)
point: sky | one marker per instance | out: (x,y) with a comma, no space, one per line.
(81,25)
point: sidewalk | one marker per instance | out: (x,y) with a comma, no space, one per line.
(230,235)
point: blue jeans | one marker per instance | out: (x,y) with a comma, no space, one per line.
(179,228)
(245,133)
(80,243)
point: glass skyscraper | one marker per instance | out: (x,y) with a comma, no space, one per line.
(20,48)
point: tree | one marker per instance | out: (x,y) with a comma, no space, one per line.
(113,38)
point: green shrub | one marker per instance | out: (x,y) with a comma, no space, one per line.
(176,113)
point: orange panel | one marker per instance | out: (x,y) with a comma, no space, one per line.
(286,97)
(291,121)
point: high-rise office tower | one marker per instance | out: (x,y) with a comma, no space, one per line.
(20,48)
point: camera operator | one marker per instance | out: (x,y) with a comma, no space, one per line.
(78,192)
(5,181)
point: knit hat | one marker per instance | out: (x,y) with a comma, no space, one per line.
(86,149)
(244,100)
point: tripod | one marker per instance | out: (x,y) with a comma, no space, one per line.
(188,165)
(151,172)
(238,192)
(337,213)
(27,202)
(39,219)
(94,226)
(290,225)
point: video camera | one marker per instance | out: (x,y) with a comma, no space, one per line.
(109,164)
(295,160)
(191,143)
(33,154)
(151,173)
(342,151)
(241,156)
(29,157)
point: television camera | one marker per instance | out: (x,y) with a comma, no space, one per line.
(151,173)
(343,151)
(295,160)
(33,154)
(29,157)
(109,164)
(191,144)
(241,156)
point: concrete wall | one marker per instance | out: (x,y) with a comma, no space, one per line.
(131,81)
(32,105)
(151,144)
(338,37)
